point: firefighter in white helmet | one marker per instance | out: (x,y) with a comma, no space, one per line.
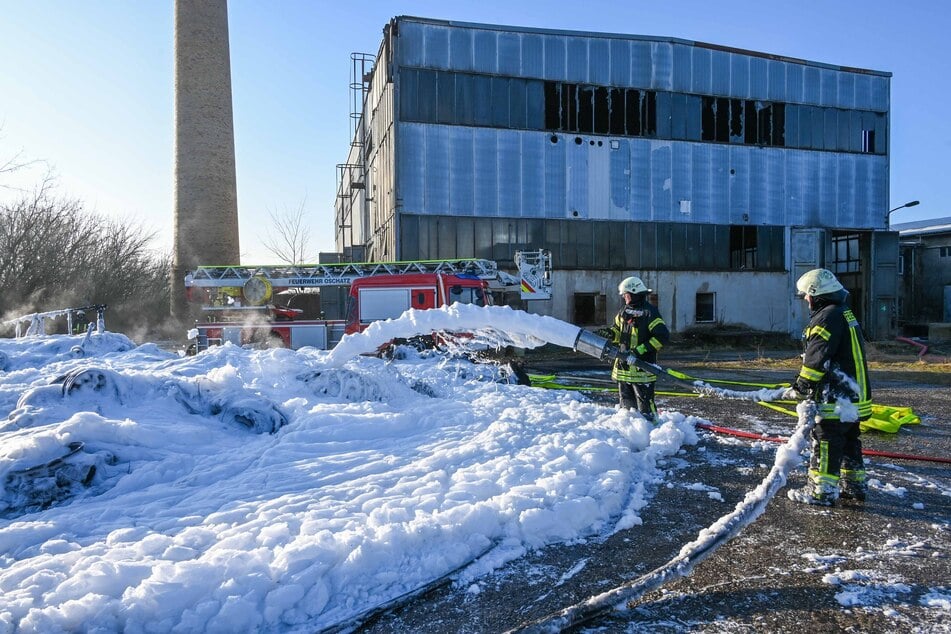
(834,374)
(639,329)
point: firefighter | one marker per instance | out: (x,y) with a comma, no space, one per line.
(834,374)
(639,329)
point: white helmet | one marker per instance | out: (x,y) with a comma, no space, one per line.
(818,282)
(632,285)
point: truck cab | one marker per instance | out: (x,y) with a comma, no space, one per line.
(387,297)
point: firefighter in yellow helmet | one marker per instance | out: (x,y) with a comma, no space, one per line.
(834,374)
(638,328)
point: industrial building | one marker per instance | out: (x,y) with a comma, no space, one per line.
(717,175)
(924,298)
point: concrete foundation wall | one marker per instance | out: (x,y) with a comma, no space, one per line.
(758,301)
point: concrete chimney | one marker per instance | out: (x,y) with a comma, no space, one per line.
(206,197)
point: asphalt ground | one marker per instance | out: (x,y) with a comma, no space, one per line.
(881,566)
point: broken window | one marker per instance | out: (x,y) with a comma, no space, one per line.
(706,307)
(589,309)
(742,247)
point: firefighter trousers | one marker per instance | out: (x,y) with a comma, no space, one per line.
(639,396)
(836,447)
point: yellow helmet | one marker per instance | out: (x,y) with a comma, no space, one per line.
(633,285)
(818,282)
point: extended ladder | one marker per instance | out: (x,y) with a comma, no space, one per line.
(308,275)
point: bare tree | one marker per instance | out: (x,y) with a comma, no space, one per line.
(15,163)
(288,239)
(54,254)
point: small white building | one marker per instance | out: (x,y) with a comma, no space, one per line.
(717,175)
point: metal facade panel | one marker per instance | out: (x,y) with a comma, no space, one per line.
(828,87)
(719,73)
(620,55)
(719,183)
(845,97)
(740,76)
(436,46)
(776,88)
(810,85)
(577,179)
(598,168)
(532,156)
(739,185)
(681,181)
(793,189)
(640,179)
(510,54)
(461,171)
(509,174)
(485,172)
(485,51)
(794,79)
(556,59)
(758,78)
(577,60)
(533,55)
(620,180)
(681,73)
(556,181)
(460,50)
(411,49)
(520,174)
(435,183)
(881,98)
(599,62)
(661,162)
(701,70)
(863,92)
(662,66)
(811,196)
(642,64)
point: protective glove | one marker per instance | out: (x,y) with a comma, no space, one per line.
(791,394)
(606,333)
(800,390)
(640,350)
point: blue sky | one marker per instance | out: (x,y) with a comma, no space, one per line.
(87,87)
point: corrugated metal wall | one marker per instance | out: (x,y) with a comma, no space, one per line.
(483,171)
(509,173)
(636,62)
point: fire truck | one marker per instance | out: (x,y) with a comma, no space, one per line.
(242,304)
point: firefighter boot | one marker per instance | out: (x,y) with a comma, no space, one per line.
(852,485)
(822,490)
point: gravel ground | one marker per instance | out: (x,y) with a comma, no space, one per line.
(884,566)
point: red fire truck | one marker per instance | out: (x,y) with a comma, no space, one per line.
(241,304)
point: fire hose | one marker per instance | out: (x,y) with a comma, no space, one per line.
(709,539)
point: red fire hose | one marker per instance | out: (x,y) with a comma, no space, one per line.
(865,452)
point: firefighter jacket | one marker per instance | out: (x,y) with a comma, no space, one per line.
(638,328)
(833,364)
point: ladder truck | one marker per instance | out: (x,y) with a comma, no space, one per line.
(240,303)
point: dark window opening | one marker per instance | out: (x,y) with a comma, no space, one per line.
(706,307)
(471,99)
(742,247)
(589,309)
